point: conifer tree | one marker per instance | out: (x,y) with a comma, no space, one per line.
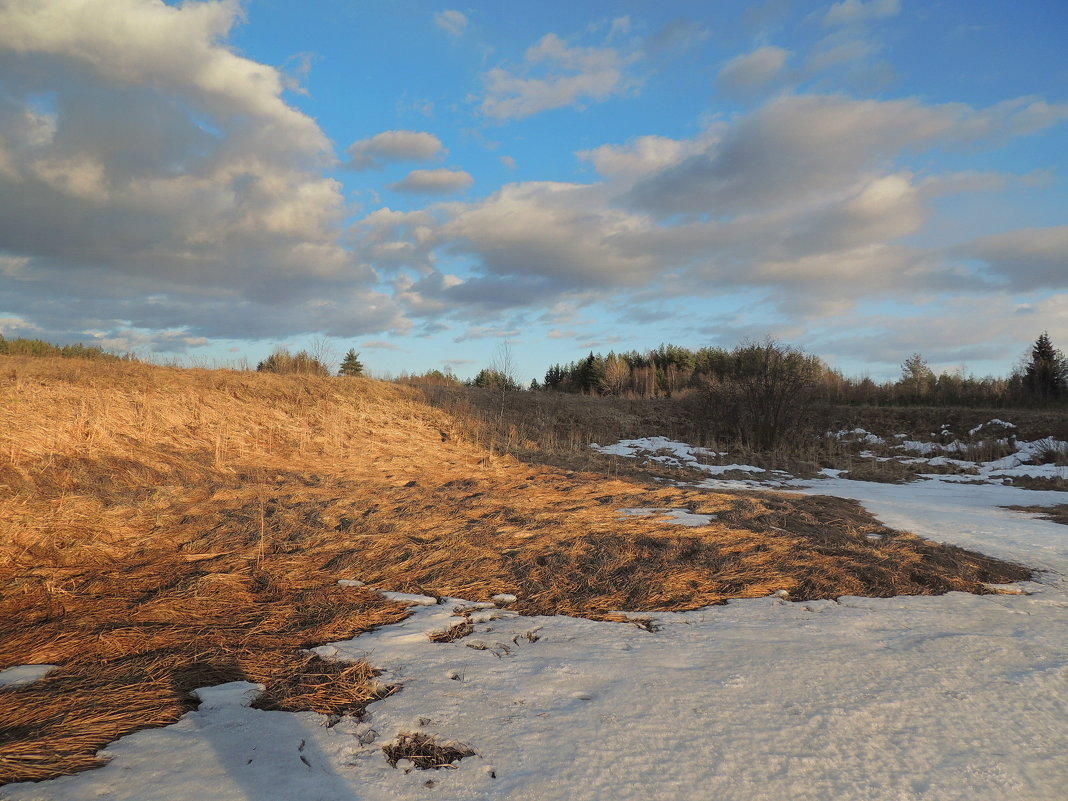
(351,364)
(1046,374)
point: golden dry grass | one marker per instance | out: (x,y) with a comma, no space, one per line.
(164,529)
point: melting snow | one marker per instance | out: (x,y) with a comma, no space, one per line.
(24,674)
(682,517)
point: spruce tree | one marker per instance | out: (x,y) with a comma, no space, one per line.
(1046,374)
(351,364)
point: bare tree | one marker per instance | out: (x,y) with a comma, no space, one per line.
(324,352)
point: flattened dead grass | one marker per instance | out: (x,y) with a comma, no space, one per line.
(167,529)
(1055,514)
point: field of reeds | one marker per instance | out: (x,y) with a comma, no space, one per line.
(163,529)
(558,428)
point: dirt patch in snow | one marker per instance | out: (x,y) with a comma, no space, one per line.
(425,752)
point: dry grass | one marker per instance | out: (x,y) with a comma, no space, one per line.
(1055,514)
(165,529)
(425,752)
(1039,483)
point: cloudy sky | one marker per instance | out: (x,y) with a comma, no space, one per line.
(864,178)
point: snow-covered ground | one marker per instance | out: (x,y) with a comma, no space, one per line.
(902,699)
(1025,460)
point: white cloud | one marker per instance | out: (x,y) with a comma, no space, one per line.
(555,232)
(944,330)
(434,182)
(804,199)
(799,146)
(555,75)
(378,344)
(853,12)
(642,156)
(452,22)
(373,152)
(197,202)
(752,71)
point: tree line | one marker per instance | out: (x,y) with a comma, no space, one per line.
(670,370)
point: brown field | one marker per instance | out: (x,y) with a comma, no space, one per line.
(164,529)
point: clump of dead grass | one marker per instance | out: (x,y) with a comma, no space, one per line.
(425,752)
(1055,514)
(166,529)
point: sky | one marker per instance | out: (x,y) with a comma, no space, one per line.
(441,187)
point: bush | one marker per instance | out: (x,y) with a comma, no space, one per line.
(490,378)
(300,363)
(768,394)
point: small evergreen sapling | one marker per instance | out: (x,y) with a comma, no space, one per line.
(351,364)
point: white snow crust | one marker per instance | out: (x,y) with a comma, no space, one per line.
(24,674)
(948,698)
(681,517)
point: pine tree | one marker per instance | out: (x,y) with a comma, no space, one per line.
(1046,374)
(351,364)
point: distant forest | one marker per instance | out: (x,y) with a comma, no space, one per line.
(671,370)
(38,347)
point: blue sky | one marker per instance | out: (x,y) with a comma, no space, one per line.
(427,183)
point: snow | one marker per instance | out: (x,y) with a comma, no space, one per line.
(24,674)
(231,694)
(860,435)
(945,698)
(682,517)
(995,423)
(678,454)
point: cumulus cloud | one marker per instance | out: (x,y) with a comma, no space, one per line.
(554,75)
(854,12)
(799,146)
(804,200)
(434,182)
(375,151)
(196,203)
(642,156)
(752,71)
(451,21)
(554,233)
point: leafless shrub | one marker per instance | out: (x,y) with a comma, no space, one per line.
(767,396)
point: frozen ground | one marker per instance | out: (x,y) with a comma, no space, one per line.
(902,699)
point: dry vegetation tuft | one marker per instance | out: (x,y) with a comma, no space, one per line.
(425,752)
(166,529)
(1055,514)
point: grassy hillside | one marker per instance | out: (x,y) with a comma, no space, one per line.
(164,529)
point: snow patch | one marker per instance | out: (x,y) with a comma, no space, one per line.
(24,674)
(682,517)
(231,694)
